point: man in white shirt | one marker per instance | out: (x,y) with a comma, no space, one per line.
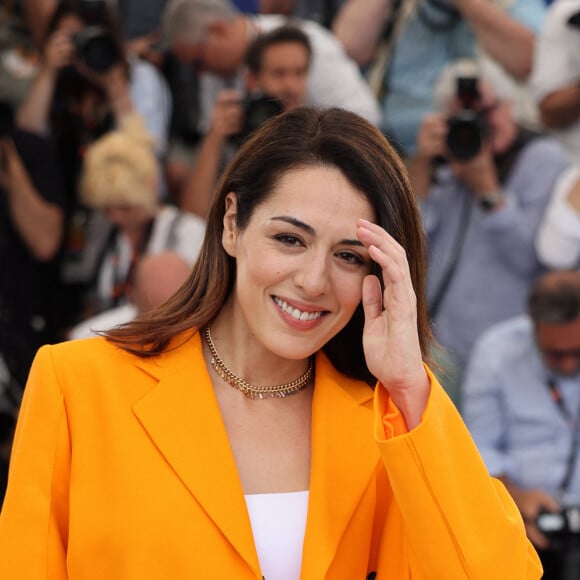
(214,37)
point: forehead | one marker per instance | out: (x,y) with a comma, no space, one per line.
(285,52)
(559,336)
(318,194)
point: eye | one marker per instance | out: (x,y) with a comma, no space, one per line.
(351,258)
(289,239)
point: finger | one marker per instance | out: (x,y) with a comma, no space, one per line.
(372,299)
(399,295)
(390,250)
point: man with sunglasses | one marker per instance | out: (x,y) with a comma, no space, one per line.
(521,402)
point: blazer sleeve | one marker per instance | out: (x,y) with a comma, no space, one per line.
(459,522)
(33,521)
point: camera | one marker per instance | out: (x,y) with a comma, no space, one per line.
(258,108)
(96,47)
(563,523)
(468,128)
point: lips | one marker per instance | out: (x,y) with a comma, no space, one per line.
(295,312)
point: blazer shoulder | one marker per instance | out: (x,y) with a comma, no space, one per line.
(92,348)
(87,358)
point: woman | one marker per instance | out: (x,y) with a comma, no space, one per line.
(234,432)
(120,181)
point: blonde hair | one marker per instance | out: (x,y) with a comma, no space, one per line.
(120,168)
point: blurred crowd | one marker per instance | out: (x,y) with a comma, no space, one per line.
(117,118)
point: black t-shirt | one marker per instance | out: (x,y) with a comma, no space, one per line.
(28,287)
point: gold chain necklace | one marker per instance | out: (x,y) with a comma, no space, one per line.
(255,391)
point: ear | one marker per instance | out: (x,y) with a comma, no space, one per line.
(230,232)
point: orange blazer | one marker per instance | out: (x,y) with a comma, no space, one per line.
(122,470)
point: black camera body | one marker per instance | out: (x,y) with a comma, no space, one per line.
(258,108)
(96,48)
(468,128)
(565,523)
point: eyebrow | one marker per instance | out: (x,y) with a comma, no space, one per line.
(310,230)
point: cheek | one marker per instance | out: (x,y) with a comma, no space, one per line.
(348,290)
(260,268)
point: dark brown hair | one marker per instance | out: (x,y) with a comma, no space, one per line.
(283,35)
(302,137)
(555,298)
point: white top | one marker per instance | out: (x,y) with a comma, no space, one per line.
(173,229)
(557,64)
(558,237)
(279,523)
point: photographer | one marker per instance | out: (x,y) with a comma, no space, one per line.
(84,86)
(555,79)
(491,184)
(521,402)
(31,227)
(405,44)
(277,66)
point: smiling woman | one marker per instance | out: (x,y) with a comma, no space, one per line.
(275,418)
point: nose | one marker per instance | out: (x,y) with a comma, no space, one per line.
(312,276)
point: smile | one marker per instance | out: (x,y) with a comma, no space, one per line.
(294,312)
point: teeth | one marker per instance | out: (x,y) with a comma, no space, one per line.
(295,313)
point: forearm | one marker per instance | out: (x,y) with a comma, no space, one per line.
(506,40)
(561,108)
(457,523)
(39,223)
(33,114)
(195,195)
(359,25)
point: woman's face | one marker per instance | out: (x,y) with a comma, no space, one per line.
(300,266)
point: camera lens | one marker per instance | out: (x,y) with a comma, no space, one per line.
(96,48)
(465,135)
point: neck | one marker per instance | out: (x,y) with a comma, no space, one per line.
(248,358)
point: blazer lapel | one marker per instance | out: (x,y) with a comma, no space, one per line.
(344,457)
(182,417)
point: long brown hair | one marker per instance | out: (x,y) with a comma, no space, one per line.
(303,137)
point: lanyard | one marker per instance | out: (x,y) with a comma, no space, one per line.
(572,423)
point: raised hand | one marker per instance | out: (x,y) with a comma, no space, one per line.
(228,113)
(59,50)
(390,336)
